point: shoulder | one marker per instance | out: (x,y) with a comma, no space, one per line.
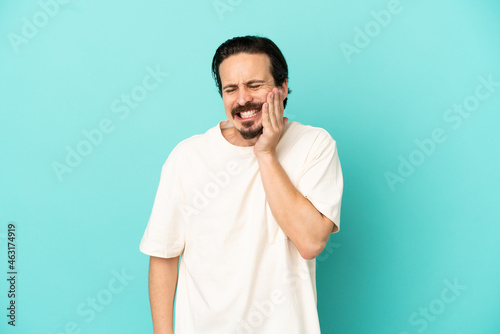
(190,146)
(312,135)
(196,142)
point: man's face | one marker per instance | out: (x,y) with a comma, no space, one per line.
(246,80)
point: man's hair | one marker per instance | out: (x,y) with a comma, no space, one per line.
(252,45)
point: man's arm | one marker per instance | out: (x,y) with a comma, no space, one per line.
(308,229)
(162,286)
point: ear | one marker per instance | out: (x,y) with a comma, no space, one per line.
(284,88)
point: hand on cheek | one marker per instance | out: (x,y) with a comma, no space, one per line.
(272,122)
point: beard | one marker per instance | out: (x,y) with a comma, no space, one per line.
(251,133)
(248,131)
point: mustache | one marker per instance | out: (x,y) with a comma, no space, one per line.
(246,107)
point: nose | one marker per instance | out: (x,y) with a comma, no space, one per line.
(244,96)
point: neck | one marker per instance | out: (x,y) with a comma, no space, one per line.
(234,137)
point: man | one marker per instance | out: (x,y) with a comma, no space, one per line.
(248,205)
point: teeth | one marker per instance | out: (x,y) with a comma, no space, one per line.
(250,113)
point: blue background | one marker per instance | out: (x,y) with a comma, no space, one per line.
(401,243)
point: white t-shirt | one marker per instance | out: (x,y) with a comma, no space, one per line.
(239,273)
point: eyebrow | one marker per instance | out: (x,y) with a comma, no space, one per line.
(251,82)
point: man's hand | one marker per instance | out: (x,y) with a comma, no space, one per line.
(273,123)
(306,227)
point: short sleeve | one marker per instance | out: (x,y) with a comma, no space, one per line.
(164,235)
(321,180)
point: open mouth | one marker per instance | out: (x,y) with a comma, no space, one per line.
(248,115)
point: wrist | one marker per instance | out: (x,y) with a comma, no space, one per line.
(266,158)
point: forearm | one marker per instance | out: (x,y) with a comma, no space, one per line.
(162,286)
(306,227)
